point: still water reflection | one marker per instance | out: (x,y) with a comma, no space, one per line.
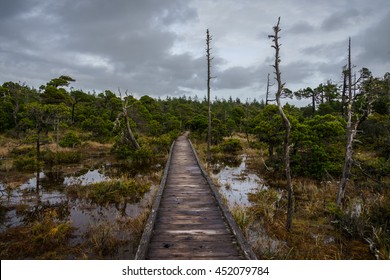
(236,180)
(28,201)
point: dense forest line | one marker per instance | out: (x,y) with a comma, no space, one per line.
(142,130)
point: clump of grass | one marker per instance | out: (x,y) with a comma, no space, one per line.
(381,242)
(266,204)
(108,239)
(114,191)
(102,239)
(266,246)
(62,157)
(23,150)
(241,217)
(49,232)
(44,238)
(136,226)
(26,163)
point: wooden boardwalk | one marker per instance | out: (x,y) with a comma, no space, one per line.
(188,219)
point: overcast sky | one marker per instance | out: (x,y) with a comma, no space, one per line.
(157,47)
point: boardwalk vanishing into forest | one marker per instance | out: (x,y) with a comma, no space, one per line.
(188,219)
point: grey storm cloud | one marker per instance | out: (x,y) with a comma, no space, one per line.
(340,19)
(375,43)
(158,47)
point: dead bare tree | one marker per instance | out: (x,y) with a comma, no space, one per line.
(287,125)
(355,116)
(351,132)
(209,58)
(130,134)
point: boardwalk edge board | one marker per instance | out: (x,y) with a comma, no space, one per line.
(242,243)
(148,231)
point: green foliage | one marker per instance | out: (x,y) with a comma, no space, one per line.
(197,124)
(376,134)
(26,163)
(100,126)
(162,144)
(70,140)
(318,149)
(218,131)
(142,156)
(62,157)
(171,123)
(335,210)
(231,145)
(62,81)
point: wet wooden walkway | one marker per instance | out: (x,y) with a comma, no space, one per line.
(188,219)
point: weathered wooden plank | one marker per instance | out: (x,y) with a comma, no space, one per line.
(161,236)
(161,254)
(190,227)
(199,248)
(178,219)
(187,204)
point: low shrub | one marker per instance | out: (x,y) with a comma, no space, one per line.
(114,191)
(231,146)
(70,140)
(24,150)
(61,157)
(26,163)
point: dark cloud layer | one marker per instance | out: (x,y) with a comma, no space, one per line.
(134,44)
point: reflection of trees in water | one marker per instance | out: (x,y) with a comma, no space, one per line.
(133,168)
(232,161)
(37,212)
(42,200)
(53,180)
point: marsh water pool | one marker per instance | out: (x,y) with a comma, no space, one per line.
(236,180)
(24,203)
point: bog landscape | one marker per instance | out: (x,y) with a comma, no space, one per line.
(107,174)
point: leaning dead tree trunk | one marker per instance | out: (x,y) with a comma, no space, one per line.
(287,125)
(351,133)
(125,114)
(209,58)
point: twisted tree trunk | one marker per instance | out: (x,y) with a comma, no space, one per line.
(287,125)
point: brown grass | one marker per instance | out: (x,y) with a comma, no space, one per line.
(42,239)
(314,234)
